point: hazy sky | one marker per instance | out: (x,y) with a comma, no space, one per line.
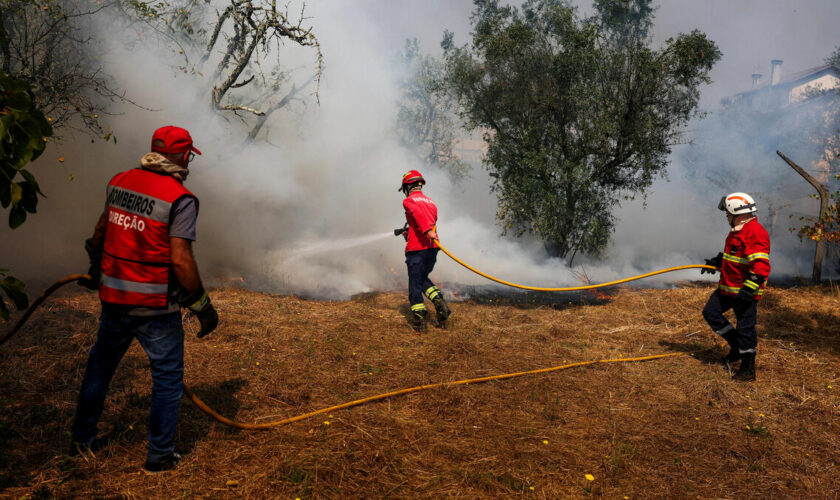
(749,32)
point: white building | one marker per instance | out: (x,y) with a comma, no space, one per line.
(782,90)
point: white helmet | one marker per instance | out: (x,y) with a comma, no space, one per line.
(737,204)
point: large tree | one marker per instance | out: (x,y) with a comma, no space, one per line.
(579,113)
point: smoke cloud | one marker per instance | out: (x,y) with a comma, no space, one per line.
(307,211)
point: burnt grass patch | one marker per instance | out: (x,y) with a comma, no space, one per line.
(676,427)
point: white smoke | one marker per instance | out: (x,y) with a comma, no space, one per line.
(329,173)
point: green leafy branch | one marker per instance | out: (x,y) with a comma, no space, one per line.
(23,137)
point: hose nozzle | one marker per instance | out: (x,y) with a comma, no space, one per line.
(400,230)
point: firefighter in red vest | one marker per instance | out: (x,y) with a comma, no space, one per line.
(420,250)
(143,266)
(744,267)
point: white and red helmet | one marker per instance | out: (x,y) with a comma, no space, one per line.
(737,204)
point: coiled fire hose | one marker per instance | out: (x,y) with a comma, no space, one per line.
(265,425)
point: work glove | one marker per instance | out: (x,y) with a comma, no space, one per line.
(750,288)
(715,261)
(199,303)
(95,269)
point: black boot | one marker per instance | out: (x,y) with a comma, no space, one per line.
(418,319)
(734,356)
(441,309)
(746,372)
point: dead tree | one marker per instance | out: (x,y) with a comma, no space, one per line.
(250,30)
(825,198)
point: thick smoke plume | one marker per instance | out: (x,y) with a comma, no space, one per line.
(307,211)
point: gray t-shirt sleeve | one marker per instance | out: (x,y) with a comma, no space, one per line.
(184,216)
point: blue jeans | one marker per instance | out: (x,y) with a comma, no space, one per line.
(162,337)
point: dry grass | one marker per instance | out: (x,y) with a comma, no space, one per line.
(672,428)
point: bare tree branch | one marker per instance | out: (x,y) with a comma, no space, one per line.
(233,107)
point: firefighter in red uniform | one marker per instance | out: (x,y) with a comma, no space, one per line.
(420,250)
(744,267)
(142,265)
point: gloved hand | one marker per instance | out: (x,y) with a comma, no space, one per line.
(199,303)
(402,231)
(95,269)
(750,288)
(715,261)
(209,319)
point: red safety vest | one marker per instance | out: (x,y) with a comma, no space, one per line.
(746,251)
(136,263)
(421,215)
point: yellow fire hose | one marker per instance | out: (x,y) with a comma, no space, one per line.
(265,425)
(241,425)
(571,288)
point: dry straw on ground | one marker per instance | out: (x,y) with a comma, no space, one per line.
(672,428)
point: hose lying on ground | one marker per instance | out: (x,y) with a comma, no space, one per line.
(265,425)
(242,425)
(49,291)
(571,288)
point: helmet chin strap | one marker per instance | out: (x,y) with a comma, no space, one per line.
(409,188)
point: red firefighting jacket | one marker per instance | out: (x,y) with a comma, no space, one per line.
(421,214)
(746,251)
(136,263)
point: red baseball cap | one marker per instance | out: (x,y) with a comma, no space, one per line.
(175,140)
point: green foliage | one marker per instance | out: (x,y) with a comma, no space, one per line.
(578,113)
(23,136)
(825,228)
(50,44)
(758,429)
(15,293)
(426,123)
(834,58)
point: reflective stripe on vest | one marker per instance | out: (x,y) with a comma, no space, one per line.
(139,204)
(133,286)
(136,265)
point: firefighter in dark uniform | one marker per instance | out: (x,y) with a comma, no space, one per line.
(142,265)
(421,250)
(744,268)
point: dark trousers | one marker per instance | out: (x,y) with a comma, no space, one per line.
(420,264)
(745,313)
(162,337)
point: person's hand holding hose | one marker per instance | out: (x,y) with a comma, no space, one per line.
(715,261)
(94,252)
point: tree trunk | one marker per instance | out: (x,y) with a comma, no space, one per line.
(823,194)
